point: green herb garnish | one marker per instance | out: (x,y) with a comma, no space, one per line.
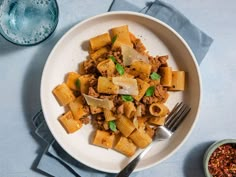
(155,76)
(112,58)
(77,83)
(150,91)
(120,69)
(127,98)
(113,40)
(112,125)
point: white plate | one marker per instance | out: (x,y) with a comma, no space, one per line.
(71,49)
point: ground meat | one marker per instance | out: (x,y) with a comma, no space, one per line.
(157,62)
(83,100)
(160,95)
(100,59)
(117,54)
(86,109)
(104,73)
(138,45)
(105,125)
(117,100)
(90,66)
(92,92)
(85,120)
(98,121)
(93,82)
(143,107)
(149,99)
(154,61)
(120,109)
(163,60)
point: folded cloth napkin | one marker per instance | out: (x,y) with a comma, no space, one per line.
(55,161)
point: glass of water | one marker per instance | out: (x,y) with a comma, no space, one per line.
(28,22)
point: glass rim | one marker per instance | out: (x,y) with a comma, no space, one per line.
(40,41)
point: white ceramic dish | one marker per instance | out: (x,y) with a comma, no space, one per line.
(71,49)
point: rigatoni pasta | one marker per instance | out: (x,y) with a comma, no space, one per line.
(69,123)
(120,89)
(178,81)
(121,36)
(125,146)
(63,94)
(99,41)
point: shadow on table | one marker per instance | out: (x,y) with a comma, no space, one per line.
(7,47)
(193,163)
(31,85)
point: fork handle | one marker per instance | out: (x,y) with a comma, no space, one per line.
(125,172)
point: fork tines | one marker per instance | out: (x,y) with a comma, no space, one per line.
(176,116)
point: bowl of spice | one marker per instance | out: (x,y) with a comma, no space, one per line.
(220,159)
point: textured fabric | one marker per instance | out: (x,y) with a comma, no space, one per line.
(198,41)
(55,161)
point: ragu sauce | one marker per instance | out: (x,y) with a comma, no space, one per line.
(222,162)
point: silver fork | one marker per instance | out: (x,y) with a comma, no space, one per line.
(173,120)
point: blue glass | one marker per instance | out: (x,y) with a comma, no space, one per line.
(28,22)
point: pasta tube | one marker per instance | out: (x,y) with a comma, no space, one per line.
(125,146)
(166,76)
(129,109)
(106,67)
(122,36)
(63,94)
(157,120)
(105,85)
(71,80)
(99,53)
(77,108)
(178,81)
(140,69)
(100,41)
(69,123)
(84,83)
(108,115)
(125,125)
(140,138)
(142,87)
(158,109)
(103,139)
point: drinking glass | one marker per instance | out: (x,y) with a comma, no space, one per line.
(28,22)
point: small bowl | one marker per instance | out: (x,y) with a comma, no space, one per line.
(211,149)
(28,22)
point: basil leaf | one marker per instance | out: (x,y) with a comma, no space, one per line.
(77,83)
(112,125)
(113,40)
(120,69)
(155,76)
(150,91)
(112,58)
(127,98)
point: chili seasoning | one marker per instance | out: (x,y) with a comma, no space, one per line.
(222,162)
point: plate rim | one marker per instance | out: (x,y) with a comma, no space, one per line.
(143,16)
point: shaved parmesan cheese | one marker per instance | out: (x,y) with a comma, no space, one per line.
(128,86)
(130,55)
(102,103)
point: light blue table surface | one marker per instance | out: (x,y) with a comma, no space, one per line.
(21,69)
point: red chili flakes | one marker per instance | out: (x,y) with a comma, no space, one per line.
(222,162)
